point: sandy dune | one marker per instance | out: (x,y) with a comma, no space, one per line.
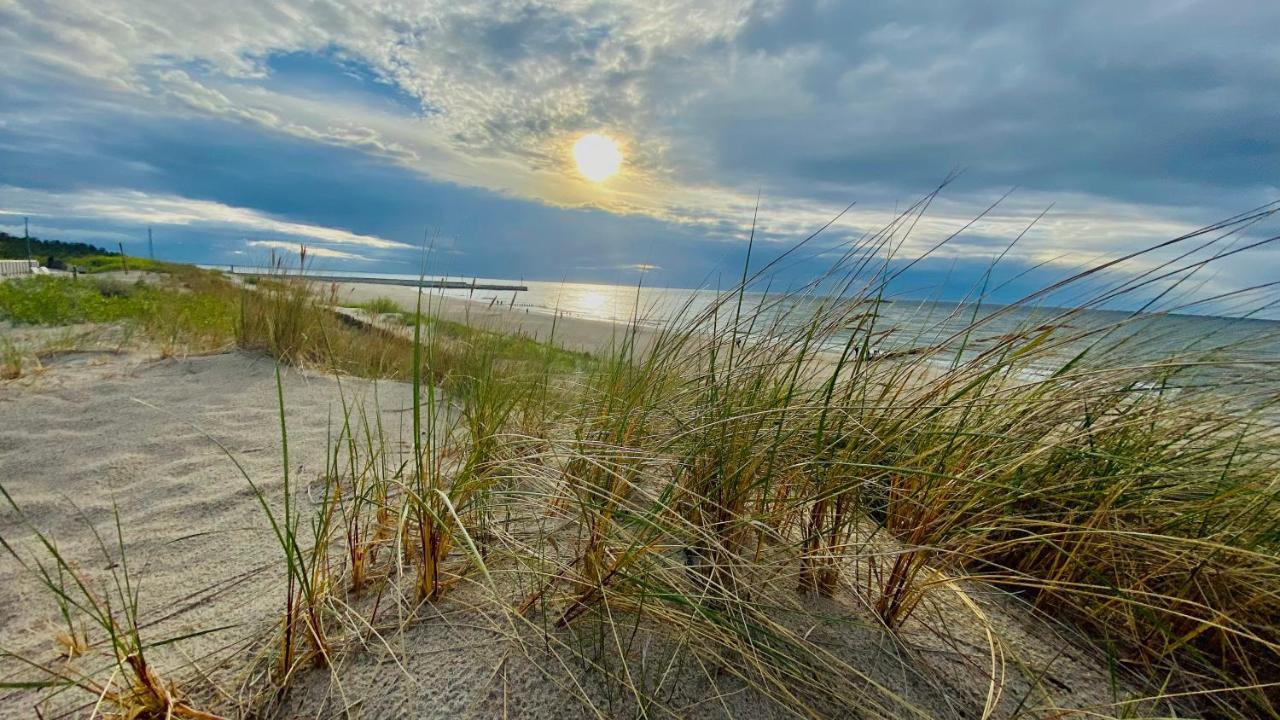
(95,431)
(78,439)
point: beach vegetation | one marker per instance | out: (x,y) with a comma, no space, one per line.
(132,688)
(381,305)
(193,311)
(82,257)
(763,474)
(708,485)
(12,360)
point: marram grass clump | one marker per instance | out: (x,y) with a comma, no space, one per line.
(767,473)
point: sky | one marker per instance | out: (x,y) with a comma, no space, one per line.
(238,127)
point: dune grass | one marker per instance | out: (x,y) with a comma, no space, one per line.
(60,301)
(129,687)
(188,310)
(1128,489)
(109,263)
(381,306)
(763,456)
(292,320)
(12,361)
(450,334)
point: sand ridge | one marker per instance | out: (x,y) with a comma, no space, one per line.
(101,430)
(93,432)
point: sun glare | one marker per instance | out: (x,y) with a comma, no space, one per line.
(597,157)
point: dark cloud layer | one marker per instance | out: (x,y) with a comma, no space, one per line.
(1143,101)
(360,126)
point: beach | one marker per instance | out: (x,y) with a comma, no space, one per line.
(573,333)
(695,360)
(153,445)
(100,438)
(152,463)
(103,438)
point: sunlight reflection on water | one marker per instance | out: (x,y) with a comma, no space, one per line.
(899,324)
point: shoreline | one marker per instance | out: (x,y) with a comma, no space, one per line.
(567,331)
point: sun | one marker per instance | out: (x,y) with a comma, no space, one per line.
(597,156)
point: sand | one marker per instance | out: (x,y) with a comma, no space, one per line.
(98,430)
(78,440)
(95,432)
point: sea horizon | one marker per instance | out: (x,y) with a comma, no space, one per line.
(615,302)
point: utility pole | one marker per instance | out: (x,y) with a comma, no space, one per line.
(26,235)
(151,249)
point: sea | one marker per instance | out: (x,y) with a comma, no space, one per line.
(1242,349)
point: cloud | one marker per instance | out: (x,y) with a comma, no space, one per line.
(623,267)
(1136,121)
(144,209)
(314,250)
(1137,101)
